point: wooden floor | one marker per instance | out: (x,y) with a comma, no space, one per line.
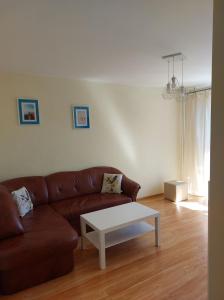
(136,270)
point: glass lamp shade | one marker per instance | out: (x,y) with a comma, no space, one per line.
(182,90)
(181,93)
(167,96)
(170,93)
(174,82)
(168,88)
(174,88)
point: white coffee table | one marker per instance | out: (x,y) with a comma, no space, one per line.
(115,225)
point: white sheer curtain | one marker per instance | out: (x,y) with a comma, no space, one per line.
(196,121)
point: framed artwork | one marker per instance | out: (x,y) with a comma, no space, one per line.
(80,116)
(28,110)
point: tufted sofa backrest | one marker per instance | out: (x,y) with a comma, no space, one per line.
(61,185)
(64,185)
(36,186)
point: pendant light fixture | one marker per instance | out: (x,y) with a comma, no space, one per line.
(174,89)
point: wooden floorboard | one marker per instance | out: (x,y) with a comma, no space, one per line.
(137,270)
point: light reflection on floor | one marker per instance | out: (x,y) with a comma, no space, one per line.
(195,203)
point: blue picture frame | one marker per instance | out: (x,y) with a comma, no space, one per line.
(28,111)
(80,117)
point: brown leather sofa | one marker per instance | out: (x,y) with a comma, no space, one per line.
(40,246)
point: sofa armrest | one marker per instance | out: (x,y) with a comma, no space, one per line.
(130,187)
(10,224)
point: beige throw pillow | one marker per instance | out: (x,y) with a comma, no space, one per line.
(112,183)
(23,201)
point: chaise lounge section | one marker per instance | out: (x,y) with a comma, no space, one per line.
(40,246)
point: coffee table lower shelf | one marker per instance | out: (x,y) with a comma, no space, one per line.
(120,235)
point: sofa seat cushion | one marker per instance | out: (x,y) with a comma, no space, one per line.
(46,234)
(72,208)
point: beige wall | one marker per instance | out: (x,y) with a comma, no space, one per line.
(216,209)
(131,128)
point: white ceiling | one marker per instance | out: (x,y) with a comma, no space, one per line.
(119,41)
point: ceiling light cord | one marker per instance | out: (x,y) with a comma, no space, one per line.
(168,71)
(182,60)
(173,66)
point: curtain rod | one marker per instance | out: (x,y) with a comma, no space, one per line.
(199,90)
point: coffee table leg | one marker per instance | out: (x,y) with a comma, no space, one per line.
(83,233)
(157,233)
(102,257)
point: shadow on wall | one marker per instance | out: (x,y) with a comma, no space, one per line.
(113,120)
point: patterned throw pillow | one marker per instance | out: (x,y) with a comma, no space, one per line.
(23,201)
(112,183)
